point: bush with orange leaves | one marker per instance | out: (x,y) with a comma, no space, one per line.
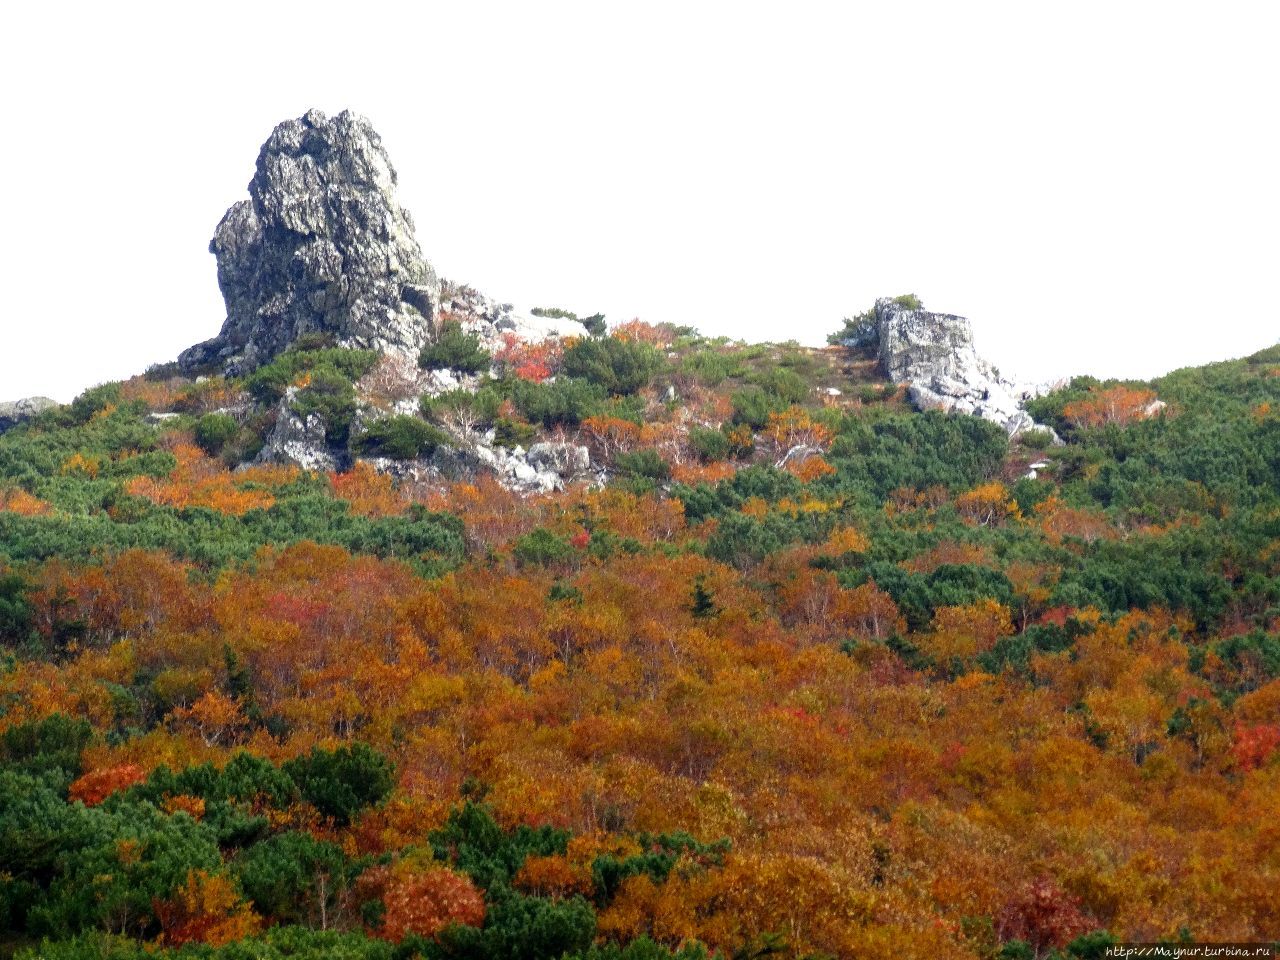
(988,505)
(370,493)
(199,481)
(424,902)
(205,909)
(96,786)
(528,360)
(1120,405)
(23,504)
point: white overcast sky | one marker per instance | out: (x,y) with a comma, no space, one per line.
(1093,184)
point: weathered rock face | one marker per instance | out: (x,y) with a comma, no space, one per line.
(933,354)
(320,246)
(14,412)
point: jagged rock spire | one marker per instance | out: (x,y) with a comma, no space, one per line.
(320,246)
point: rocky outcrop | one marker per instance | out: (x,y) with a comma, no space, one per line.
(14,412)
(493,322)
(933,355)
(321,246)
(297,439)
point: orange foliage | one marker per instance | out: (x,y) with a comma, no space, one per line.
(988,505)
(370,493)
(640,332)
(215,717)
(810,469)
(198,481)
(23,503)
(554,877)
(964,632)
(1119,405)
(795,427)
(528,360)
(184,803)
(85,466)
(205,909)
(425,903)
(93,788)
(1059,521)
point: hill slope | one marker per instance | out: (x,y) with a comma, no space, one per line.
(776,663)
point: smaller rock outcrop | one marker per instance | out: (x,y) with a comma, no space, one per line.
(933,355)
(14,412)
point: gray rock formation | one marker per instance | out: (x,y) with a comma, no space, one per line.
(320,246)
(297,440)
(933,354)
(14,412)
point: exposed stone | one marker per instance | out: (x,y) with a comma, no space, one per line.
(14,412)
(568,461)
(493,322)
(933,354)
(321,246)
(297,440)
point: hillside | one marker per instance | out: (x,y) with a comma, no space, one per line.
(548,638)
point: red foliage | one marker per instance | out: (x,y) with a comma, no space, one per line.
(426,903)
(1043,915)
(1254,745)
(528,361)
(94,787)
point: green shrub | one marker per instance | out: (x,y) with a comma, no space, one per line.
(595,325)
(541,547)
(619,366)
(709,445)
(646,464)
(269,382)
(340,783)
(752,406)
(455,349)
(400,438)
(331,396)
(214,431)
(554,313)
(564,401)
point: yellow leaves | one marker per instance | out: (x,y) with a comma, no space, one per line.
(23,504)
(80,465)
(961,633)
(988,505)
(846,540)
(795,427)
(184,803)
(215,717)
(207,908)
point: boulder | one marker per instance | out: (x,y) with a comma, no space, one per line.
(14,412)
(297,440)
(934,356)
(320,247)
(568,461)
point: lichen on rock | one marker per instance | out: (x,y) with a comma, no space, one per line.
(320,247)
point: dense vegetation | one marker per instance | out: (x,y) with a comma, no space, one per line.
(814,675)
